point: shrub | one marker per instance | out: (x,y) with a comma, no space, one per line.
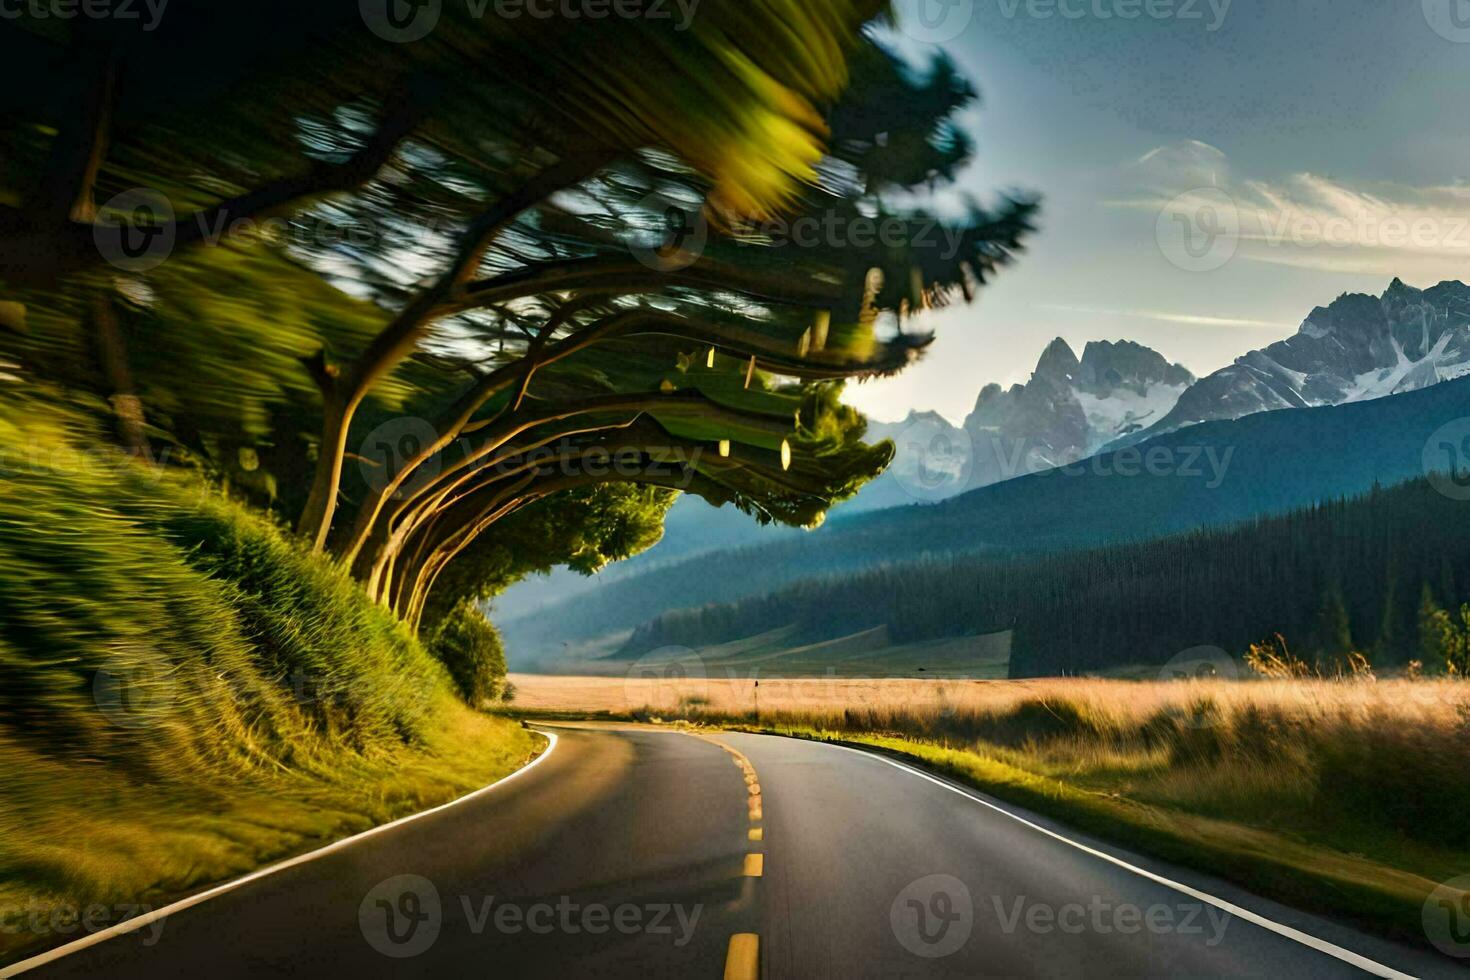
(469,646)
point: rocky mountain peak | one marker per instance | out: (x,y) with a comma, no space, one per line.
(1108,364)
(1058,362)
(1357,347)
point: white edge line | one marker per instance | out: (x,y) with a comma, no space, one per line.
(147,918)
(1321,945)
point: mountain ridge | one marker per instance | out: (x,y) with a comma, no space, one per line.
(1268,463)
(1356,348)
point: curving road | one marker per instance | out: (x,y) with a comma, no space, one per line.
(638,852)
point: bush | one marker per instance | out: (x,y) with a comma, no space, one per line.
(469,646)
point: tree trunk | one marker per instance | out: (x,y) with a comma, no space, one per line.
(321,504)
(112,356)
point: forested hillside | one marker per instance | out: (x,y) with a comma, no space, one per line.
(1209,475)
(1349,575)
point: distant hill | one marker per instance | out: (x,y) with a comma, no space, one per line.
(1332,578)
(1203,476)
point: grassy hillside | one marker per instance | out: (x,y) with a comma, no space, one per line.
(1209,475)
(188,694)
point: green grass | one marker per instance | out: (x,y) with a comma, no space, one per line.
(189,694)
(781,652)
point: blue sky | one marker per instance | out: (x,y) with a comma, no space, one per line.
(1203,188)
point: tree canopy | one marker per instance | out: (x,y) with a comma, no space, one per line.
(480,301)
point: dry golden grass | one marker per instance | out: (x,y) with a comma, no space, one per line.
(1350,774)
(906,704)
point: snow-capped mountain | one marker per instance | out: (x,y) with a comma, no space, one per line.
(1068,410)
(1358,348)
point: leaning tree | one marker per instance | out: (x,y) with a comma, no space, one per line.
(710,367)
(588,267)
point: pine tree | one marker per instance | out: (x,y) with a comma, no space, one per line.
(1334,629)
(1386,647)
(1432,620)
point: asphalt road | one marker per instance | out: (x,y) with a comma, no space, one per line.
(635,852)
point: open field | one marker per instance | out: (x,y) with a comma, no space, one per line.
(782,653)
(1344,795)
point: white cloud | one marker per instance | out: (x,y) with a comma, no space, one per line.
(1305,220)
(1187,319)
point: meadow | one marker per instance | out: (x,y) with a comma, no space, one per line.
(1344,795)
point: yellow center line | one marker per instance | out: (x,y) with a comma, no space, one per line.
(743,960)
(754,863)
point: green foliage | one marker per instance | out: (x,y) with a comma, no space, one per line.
(1454,640)
(584,529)
(215,342)
(469,646)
